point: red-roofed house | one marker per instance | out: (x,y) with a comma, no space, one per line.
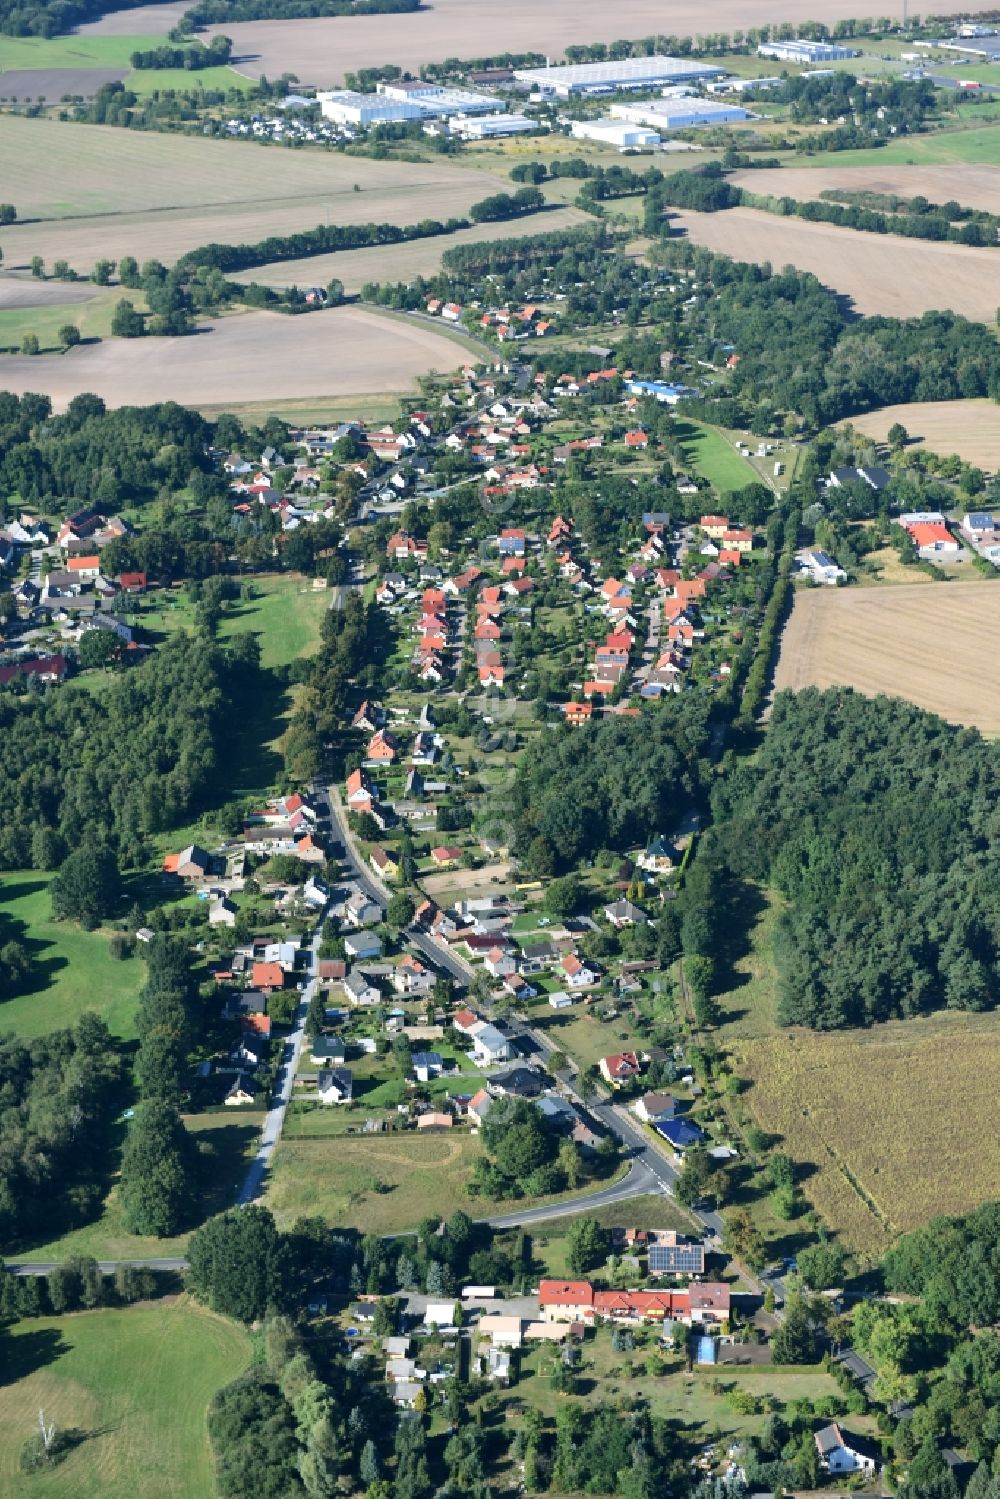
(267,976)
(84,567)
(361,794)
(715,526)
(383,747)
(641,1306)
(620,1068)
(446,856)
(566,1300)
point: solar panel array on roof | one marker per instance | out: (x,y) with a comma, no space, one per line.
(676,1259)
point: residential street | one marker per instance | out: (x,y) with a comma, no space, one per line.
(275,1118)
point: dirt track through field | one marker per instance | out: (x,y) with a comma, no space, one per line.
(969,428)
(936,646)
(972,186)
(257,356)
(881,273)
(321,51)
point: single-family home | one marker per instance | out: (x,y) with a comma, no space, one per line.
(654,1108)
(327,1051)
(383,863)
(427,1065)
(576,973)
(222,912)
(334,1085)
(411,977)
(503,1332)
(566,1300)
(193,863)
(620,1068)
(479,1106)
(360,910)
(383,748)
(360,990)
(238,1094)
(659,856)
(680,1133)
(622,913)
(446,856)
(841,1452)
(499,962)
(519,1082)
(490,1045)
(672,1254)
(267,976)
(361,793)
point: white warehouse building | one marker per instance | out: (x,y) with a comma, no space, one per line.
(406,100)
(681,114)
(345,107)
(484,127)
(606,77)
(803,50)
(618,133)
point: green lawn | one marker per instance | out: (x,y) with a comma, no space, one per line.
(29,52)
(93,318)
(75,971)
(712,456)
(977,147)
(285,615)
(226,1140)
(148,79)
(136,1383)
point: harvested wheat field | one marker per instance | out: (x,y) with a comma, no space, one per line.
(321,51)
(16,291)
(856,1107)
(973,187)
(254,356)
(969,428)
(937,646)
(880,273)
(108,193)
(418,257)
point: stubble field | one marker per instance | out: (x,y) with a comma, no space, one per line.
(969,428)
(106,193)
(248,357)
(938,646)
(977,187)
(898,1123)
(880,273)
(321,51)
(853,1108)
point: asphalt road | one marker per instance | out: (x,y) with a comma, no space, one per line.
(639,1182)
(275,1117)
(436,953)
(107,1266)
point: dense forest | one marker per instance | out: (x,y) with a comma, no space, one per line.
(876,823)
(139,758)
(90,455)
(56,1097)
(608,786)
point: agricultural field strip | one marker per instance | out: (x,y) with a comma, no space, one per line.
(881,273)
(969,428)
(977,187)
(938,647)
(343,351)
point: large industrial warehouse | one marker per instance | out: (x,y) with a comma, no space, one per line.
(680,114)
(607,77)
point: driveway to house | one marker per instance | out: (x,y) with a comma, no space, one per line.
(275,1118)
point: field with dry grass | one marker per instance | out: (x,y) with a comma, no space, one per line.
(974,187)
(880,273)
(969,428)
(248,357)
(891,1125)
(321,51)
(96,193)
(938,646)
(898,1123)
